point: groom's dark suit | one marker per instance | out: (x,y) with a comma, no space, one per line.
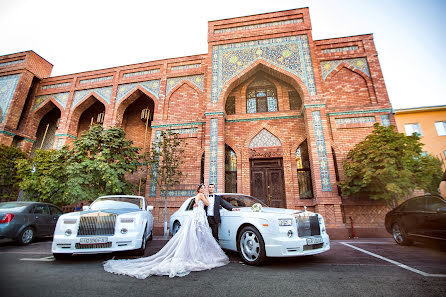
(215,220)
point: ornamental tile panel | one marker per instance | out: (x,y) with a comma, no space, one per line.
(104,93)
(61,98)
(213,159)
(385,120)
(151,86)
(272,104)
(152,191)
(321,151)
(264,139)
(197,80)
(357,63)
(252,107)
(355,120)
(8,85)
(289,53)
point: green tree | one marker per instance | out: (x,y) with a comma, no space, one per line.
(166,158)
(9,179)
(43,176)
(388,165)
(98,163)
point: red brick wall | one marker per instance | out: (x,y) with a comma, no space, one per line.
(183,104)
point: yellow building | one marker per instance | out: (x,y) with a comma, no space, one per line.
(430,123)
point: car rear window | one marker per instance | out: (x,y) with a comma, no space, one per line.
(414,204)
(13,206)
(434,203)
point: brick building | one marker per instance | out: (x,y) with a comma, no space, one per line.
(268,111)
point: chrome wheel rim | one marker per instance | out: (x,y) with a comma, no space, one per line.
(397,235)
(250,246)
(27,236)
(176,227)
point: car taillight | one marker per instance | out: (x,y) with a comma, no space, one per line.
(7,218)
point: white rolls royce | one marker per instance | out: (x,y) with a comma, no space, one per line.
(257,231)
(111,223)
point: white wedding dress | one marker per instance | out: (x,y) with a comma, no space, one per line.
(192,248)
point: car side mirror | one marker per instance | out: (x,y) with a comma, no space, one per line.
(149,207)
(86,207)
(441,210)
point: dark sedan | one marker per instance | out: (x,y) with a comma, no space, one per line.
(24,221)
(418,218)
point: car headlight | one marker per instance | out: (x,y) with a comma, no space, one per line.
(124,231)
(285,222)
(68,232)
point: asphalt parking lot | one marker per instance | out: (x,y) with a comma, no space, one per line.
(360,267)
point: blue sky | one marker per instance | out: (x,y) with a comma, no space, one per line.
(76,36)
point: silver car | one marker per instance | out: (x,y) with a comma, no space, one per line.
(24,221)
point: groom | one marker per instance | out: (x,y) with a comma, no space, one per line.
(213,210)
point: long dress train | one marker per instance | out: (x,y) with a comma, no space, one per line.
(192,248)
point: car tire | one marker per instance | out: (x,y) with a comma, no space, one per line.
(26,236)
(142,249)
(176,227)
(60,256)
(400,235)
(251,246)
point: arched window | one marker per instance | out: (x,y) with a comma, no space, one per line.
(261,96)
(230,170)
(304,172)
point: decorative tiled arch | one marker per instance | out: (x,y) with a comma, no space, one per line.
(8,85)
(151,86)
(289,53)
(357,63)
(61,98)
(197,80)
(104,93)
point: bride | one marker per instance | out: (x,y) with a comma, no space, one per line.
(192,248)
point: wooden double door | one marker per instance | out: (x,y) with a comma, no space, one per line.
(267,182)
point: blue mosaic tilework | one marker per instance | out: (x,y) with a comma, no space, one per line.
(87,81)
(257,26)
(61,98)
(140,73)
(360,111)
(289,53)
(321,151)
(264,119)
(185,131)
(151,86)
(197,80)
(104,92)
(179,193)
(183,67)
(11,63)
(7,88)
(264,139)
(152,191)
(251,105)
(69,135)
(53,86)
(272,104)
(213,158)
(214,113)
(340,49)
(178,125)
(355,120)
(385,120)
(59,144)
(358,63)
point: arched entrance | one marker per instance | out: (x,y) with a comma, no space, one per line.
(266,169)
(46,130)
(92,115)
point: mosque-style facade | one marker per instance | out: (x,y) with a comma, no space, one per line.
(268,111)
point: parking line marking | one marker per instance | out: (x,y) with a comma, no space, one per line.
(372,242)
(394,262)
(44,259)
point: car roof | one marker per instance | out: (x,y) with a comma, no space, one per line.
(129,196)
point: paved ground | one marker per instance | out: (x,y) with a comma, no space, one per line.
(361,267)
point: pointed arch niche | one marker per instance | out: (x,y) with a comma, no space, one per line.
(230,170)
(94,114)
(49,116)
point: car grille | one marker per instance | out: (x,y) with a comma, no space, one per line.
(93,246)
(307,225)
(97,224)
(313,247)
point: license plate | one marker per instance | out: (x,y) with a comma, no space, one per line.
(314,240)
(93,240)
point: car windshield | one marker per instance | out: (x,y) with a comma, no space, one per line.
(13,206)
(242,200)
(117,203)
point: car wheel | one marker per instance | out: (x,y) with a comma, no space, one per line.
(142,249)
(251,246)
(26,236)
(59,256)
(176,227)
(399,234)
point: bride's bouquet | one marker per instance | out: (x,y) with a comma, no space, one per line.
(256,207)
